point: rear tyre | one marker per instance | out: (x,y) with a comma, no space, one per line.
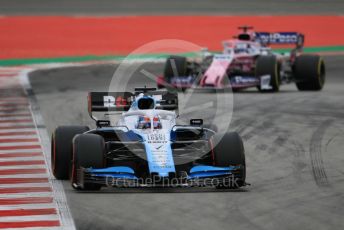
(61,149)
(229,150)
(268,65)
(309,72)
(175,66)
(88,151)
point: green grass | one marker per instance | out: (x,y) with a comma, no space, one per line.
(29,61)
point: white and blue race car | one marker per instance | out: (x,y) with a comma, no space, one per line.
(145,146)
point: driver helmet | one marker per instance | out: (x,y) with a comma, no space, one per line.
(143,122)
(157,123)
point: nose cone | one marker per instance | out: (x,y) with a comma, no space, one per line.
(215,73)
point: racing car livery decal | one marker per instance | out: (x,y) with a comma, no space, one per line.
(279,38)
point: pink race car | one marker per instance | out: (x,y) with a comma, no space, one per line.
(248,61)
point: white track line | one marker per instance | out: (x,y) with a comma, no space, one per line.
(14,118)
(22,159)
(30,136)
(22,185)
(23,176)
(25,195)
(19,130)
(20,151)
(23,167)
(27,206)
(15,124)
(22,143)
(67,221)
(18,144)
(28,218)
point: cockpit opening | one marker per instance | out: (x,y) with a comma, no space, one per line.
(146,103)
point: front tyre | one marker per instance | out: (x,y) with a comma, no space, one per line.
(269,65)
(309,72)
(61,149)
(228,151)
(88,152)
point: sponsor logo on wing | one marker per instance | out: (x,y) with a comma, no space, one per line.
(222,57)
(288,37)
(244,80)
(181,80)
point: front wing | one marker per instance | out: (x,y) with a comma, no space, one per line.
(198,176)
(235,82)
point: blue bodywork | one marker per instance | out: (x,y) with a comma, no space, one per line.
(121,172)
(202,171)
(199,171)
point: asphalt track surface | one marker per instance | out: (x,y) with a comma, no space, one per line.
(180,7)
(294,152)
(293,139)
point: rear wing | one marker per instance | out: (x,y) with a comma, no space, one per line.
(122,101)
(286,38)
(109,101)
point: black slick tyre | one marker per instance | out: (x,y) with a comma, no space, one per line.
(309,72)
(88,152)
(229,151)
(268,65)
(61,149)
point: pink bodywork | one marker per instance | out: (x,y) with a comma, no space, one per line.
(217,71)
